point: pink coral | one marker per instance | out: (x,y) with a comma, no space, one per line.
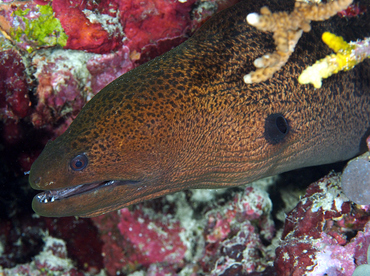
(60,88)
(133,239)
(153,240)
(106,68)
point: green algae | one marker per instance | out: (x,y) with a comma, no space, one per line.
(43,30)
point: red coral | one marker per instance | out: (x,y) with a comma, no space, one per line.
(83,34)
(146,22)
(14,100)
(315,233)
(352,10)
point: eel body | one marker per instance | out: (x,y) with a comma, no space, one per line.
(187,120)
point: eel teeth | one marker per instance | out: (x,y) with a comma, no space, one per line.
(52,195)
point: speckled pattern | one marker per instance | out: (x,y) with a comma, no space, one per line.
(186,119)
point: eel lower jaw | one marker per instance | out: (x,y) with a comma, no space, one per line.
(60,194)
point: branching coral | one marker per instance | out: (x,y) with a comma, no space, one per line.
(287,29)
(347,56)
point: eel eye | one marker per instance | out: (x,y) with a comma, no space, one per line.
(79,162)
(276,128)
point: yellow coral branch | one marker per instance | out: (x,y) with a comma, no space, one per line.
(347,56)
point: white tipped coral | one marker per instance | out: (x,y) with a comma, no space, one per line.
(253,18)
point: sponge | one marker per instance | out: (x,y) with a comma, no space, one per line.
(356,180)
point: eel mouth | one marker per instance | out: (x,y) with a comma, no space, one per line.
(59,194)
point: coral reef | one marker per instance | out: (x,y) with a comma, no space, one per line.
(363,269)
(317,235)
(176,237)
(49,71)
(134,239)
(287,29)
(107,67)
(61,86)
(58,54)
(161,20)
(234,234)
(52,260)
(21,238)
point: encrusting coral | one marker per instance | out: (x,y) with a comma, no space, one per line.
(363,269)
(287,29)
(347,56)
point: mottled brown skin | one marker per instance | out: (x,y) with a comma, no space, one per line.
(186,119)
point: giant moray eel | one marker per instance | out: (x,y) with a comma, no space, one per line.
(187,120)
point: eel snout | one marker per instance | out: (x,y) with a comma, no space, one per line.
(95,198)
(60,194)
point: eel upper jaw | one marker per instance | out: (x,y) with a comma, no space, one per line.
(60,194)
